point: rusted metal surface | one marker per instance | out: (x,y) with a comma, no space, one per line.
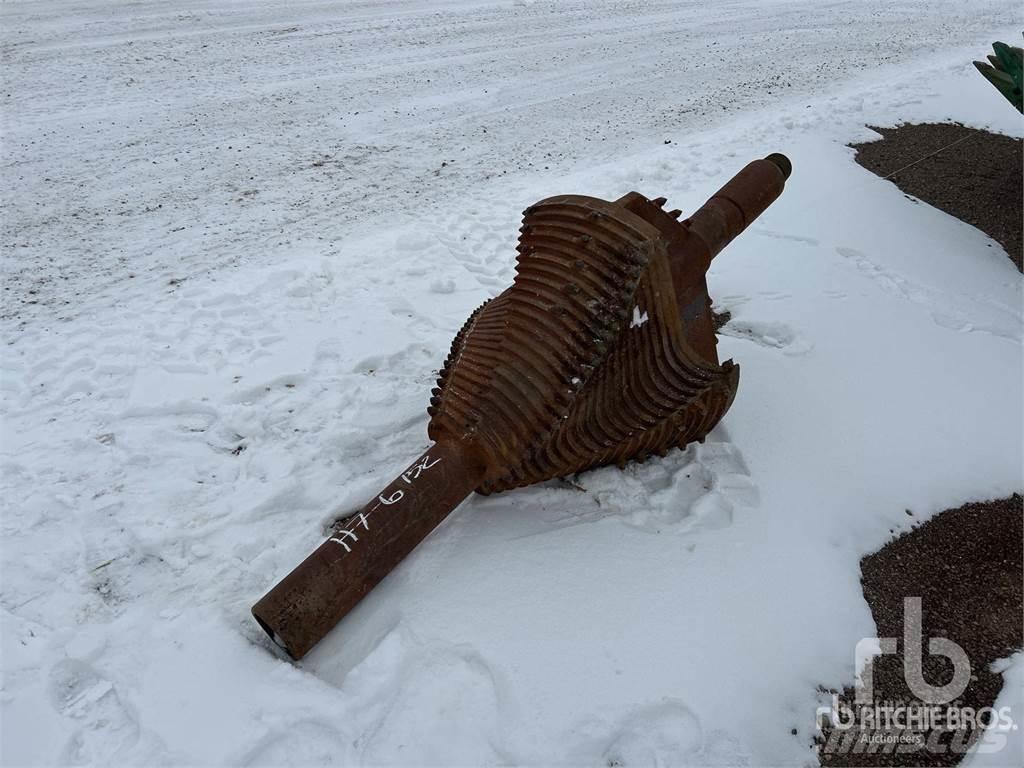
(602,351)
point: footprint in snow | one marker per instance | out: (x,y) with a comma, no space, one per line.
(768,333)
(666,733)
(400,677)
(1002,321)
(104,730)
(484,244)
(670,733)
(784,236)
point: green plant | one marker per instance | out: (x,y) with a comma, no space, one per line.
(1006,72)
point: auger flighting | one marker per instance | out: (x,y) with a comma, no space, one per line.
(552,377)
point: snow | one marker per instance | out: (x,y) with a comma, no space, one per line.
(249,232)
(1004,741)
(638,319)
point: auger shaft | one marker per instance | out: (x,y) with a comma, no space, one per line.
(744,197)
(366,546)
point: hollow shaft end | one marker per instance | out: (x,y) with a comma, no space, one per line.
(782,162)
(272,633)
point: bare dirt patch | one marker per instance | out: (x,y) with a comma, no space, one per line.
(965,565)
(972,174)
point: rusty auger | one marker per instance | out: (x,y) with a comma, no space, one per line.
(602,351)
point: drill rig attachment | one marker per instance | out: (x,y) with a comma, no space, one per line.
(602,351)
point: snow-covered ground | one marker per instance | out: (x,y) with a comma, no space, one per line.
(238,238)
